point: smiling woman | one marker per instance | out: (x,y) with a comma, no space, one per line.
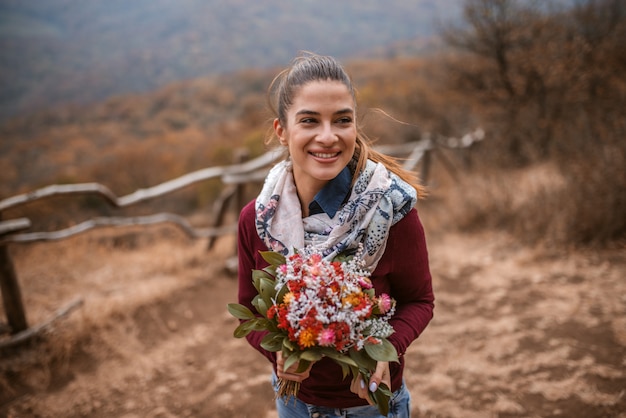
(335,196)
(320,133)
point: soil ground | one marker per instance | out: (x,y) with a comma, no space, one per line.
(517,332)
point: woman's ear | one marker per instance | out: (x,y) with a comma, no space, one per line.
(280,132)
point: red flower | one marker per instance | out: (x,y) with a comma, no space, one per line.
(283,323)
(271,312)
(373,340)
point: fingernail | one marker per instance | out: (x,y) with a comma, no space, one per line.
(373,387)
(362,384)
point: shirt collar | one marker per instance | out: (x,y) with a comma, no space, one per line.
(332,195)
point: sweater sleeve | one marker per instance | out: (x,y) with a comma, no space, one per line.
(248,246)
(409,280)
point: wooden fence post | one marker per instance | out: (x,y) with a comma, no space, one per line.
(234,191)
(242,156)
(11,295)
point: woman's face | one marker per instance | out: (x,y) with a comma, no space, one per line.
(320,133)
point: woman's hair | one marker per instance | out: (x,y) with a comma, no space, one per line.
(309,67)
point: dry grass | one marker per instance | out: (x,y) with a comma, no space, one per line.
(542,203)
(517,331)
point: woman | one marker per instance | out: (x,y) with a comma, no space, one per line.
(334,192)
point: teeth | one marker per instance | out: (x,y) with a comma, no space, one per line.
(321,155)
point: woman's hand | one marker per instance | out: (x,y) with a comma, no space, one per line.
(362,388)
(290,373)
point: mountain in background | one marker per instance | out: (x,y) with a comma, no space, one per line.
(73,51)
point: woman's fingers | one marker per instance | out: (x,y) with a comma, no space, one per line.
(291,373)
(363,389)
(359,387)
(381,374)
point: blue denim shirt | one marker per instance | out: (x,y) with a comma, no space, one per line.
(332,195)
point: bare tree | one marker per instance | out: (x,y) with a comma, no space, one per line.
(536,66)
(552,83)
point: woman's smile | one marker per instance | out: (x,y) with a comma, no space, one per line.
(324,155)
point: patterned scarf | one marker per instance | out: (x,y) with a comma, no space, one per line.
(378,200)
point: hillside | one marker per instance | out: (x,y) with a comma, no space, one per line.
(517,331)
(67,51)
(185,126)
(83,143)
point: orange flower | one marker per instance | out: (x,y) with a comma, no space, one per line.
(307,338)
(288,298)
(353,299)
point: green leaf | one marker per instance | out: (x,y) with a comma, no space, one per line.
(384,389)
(362,359)
(303,365)
(311,355)
(240,311)
(292,359)
(267,290)
(345,369)
(381,398)
(244,328)
(261,305)
(271,326)
(272,341)
(271,270)
(288,344)
(345,360)
(260,274)
(261,324)
(382,352)
(255,301)
(280,295)
(260,279)
(273,258)
(338,357)
(256,282)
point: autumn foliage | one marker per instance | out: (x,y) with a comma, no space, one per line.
(547,86)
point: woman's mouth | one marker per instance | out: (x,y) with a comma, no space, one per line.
(324,155)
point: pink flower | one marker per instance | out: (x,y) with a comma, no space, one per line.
(315,263)
(365,283)
(315,270)
(326,337)
(384,303)
(315,258)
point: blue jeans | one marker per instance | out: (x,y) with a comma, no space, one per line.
(399,407)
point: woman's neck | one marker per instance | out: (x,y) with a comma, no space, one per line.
(306,191)
(305,201)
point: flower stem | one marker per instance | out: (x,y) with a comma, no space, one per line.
(287,388)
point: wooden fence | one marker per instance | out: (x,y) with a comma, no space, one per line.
(234,177)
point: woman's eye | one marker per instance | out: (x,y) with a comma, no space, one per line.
(344,120)
(307,120)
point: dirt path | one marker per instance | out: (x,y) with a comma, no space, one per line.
(517,333)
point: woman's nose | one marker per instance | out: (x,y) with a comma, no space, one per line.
(327,135)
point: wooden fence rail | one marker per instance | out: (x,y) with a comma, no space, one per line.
(234,176)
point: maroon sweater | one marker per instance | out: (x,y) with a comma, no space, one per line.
(402,272)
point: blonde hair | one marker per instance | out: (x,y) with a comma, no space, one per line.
(309,67)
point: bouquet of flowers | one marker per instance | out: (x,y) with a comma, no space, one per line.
(314,308)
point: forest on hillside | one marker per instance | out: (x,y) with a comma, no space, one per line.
(60,51)
(548,87)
